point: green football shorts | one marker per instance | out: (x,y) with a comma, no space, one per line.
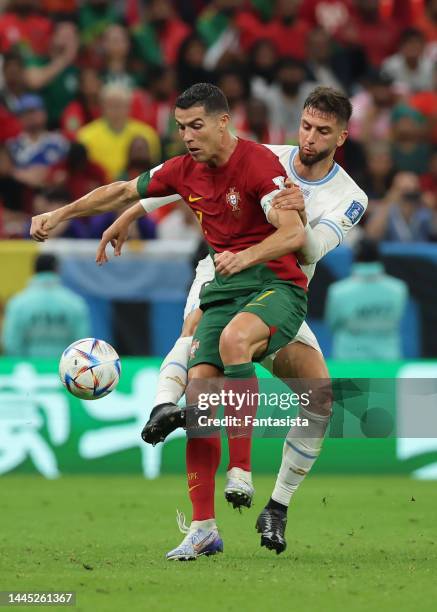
(281,306)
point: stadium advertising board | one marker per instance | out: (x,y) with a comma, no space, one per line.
(383,422)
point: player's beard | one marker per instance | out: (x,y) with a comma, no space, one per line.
(310,160)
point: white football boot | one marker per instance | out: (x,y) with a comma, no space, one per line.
(239,490)
(199,540)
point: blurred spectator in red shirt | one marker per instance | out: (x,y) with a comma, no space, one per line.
(21,25)
(426,103)
(427,21)
(59,9)
(378,36)
(86,107)
(410,66)
(331,15)
(160,36)
(286,29)
(360,23)
(10,126)
(77,174)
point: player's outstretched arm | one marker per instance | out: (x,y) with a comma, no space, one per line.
(289,237)
(118,232)
(109,197)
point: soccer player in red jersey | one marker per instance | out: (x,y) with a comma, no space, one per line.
(257,300)
(330,204)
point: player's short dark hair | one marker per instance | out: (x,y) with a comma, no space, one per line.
(46,263)
(207,95)
(331,101)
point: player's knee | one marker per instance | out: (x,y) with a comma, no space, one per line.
(234,343)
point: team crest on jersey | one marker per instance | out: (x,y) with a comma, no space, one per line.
(194,346)
(233,199)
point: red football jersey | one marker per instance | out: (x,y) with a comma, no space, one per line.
(227,199)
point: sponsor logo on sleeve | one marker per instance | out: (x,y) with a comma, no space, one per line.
(354,212)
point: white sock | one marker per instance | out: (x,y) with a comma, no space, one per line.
(173,373)
(301,448)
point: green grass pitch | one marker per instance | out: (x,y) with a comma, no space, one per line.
(353,544)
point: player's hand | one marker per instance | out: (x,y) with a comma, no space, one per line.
(41,226)
(291,198)
(116,234)
(228,263)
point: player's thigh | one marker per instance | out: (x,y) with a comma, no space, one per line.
(304,369)
(282,307)
(205,344)
(245,336)
(204,274)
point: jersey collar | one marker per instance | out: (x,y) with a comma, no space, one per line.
(335,168)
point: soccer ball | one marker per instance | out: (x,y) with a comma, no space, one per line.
(89,368)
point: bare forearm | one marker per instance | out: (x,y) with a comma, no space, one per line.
(284,240)
(100,200)
(133,213)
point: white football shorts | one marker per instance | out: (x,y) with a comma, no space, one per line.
(205,274)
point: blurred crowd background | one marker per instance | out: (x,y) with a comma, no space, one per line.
(87,92)
(86,97)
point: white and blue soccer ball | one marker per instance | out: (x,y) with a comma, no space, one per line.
(90,368)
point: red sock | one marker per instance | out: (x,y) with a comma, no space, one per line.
(203,458)
(241,380)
